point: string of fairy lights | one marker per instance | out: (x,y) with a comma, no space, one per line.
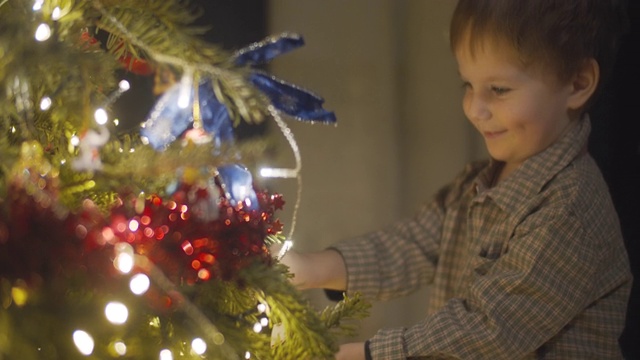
(125,260)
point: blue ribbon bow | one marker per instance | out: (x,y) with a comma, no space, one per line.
(167,121)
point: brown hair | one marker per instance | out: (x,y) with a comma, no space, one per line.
(557,34)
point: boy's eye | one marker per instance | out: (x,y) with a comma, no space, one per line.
(498,90)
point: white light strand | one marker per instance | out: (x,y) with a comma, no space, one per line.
(286,246)
(278,173)
(288,134)
(186,87)
(123,87)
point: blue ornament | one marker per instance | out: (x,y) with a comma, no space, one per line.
(288,98)
(215,116)
(237,184)
(292,100)
(167,120)
(262,52)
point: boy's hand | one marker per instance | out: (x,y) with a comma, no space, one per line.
(324,269)
(351,351)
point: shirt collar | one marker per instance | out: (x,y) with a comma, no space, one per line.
(535,172)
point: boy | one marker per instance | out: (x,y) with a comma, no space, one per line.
(524,252)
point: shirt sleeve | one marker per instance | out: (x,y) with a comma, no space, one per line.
(515,303)
(396,261)
(403,257)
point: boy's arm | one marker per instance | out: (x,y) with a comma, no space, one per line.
(388,263)
(324,269)
(553,270)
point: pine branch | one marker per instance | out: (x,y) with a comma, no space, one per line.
(158,31)
(349,308)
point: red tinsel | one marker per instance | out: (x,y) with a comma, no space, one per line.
(193,236)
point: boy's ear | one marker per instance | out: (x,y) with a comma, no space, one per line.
(584,84)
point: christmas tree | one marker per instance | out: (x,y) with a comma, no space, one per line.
(151,242)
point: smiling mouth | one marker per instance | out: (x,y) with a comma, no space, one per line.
(493,134)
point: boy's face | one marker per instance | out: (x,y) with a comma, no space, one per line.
(519,111)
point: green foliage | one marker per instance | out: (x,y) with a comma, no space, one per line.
(60,284)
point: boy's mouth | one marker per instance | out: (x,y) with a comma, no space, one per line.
(493,134)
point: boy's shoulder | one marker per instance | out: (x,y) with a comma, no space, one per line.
(578,187)
(577,193)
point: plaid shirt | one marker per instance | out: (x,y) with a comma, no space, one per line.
(534,267)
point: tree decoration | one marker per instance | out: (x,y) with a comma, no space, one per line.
(115,244)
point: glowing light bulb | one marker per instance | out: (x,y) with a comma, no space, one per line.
(84,342)
(264,321)
(116,312)
(166,355)
(247,355)
(75,140)
(13,129)
(124,263)
(134,225)
(56,14)
(116,122)
(198,346)
(262,308)
(124,257)
(37,5)
(124,85)
(43,32)
(45,103)
(120,348)
(139,284)
(101,116)
(257,327)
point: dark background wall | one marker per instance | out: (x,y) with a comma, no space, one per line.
(615,144)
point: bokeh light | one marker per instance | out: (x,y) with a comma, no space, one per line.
(166,355)
(116,312)
(84,342)
(43,32)
(198,346)
(139,284)
(120,348)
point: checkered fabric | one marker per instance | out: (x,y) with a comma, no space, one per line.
(534,267)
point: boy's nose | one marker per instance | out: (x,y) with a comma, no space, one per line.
(475,108)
